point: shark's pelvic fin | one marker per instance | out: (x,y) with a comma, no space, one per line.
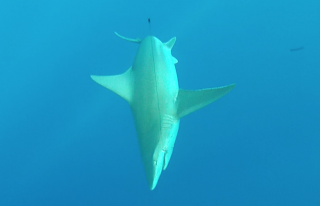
(119,84)
(137,40)
(171,42)
(175,60)
(190,101)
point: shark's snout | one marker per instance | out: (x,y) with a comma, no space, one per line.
(157,168)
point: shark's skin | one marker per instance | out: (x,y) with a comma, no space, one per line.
(151,88)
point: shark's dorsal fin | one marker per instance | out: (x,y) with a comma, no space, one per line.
(171,42)
(190,101)
(137,40)
(119,84)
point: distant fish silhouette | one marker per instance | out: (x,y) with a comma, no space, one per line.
(297,49)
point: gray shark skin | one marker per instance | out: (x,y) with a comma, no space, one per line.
(150,86)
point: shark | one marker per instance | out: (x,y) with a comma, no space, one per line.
(151,88)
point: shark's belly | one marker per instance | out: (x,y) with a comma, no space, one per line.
(154,111)
(154,119)
(156,132)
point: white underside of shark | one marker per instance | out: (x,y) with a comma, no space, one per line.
(150,86)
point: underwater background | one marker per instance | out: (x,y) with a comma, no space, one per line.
(65,140)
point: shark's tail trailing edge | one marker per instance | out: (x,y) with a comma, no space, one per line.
(190,101)
(137,40)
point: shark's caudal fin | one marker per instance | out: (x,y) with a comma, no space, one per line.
(137,40)
(119,84)
(190,101)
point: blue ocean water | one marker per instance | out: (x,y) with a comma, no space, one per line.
(64,140)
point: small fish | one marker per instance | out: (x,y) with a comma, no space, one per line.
(297,49)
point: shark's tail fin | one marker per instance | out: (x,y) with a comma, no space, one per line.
(190,101)
(137,40)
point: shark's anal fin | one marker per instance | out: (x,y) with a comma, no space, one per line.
(171,43)
(119,84)
(137,40)
(190,101)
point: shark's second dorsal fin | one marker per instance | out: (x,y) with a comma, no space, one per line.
(137,40)
(190,101)
(119,84)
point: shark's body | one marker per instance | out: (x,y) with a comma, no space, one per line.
(151,88)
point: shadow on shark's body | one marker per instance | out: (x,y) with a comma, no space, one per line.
(151,88)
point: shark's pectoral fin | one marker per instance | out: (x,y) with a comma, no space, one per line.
(190,101)
(119,84)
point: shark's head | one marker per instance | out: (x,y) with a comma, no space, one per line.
(153,161)
(160,155)
(157,167)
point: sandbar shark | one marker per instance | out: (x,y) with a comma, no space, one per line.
(150,86)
